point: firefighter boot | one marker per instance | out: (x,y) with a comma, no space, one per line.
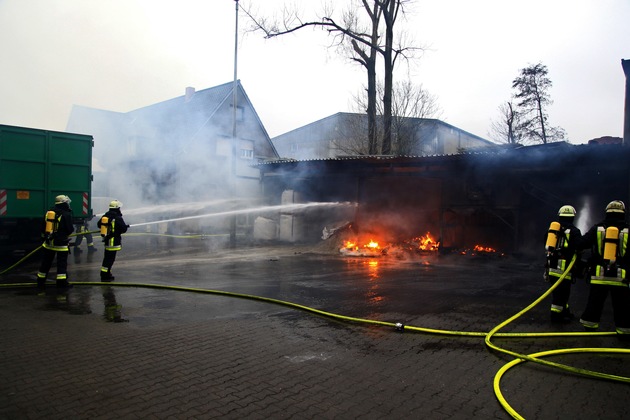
(563,317)
(63,284)
(106,276)
(41,283)
(91,248)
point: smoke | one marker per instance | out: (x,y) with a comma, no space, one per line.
(170,160)
(584,214)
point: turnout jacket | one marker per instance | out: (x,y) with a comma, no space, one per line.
(62,228)
(117,226)
(602,271)
(568,245)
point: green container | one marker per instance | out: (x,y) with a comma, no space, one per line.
(36,166)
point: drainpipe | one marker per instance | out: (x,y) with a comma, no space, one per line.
(625,64)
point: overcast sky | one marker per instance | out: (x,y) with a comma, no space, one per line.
(121,55)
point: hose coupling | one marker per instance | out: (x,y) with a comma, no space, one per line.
(400,327)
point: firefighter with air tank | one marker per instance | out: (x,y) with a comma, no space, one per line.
(56,229)
(609,262)
(563,238)
(112,226)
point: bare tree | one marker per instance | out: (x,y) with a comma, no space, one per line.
(411,106)
(508,128)
(363,40)
(351,139)
(532,88)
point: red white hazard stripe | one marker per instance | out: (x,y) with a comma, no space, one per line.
(85,203)
(3,202)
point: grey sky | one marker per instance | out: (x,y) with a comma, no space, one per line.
(121,55)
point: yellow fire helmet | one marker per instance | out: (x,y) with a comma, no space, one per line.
(115,204)
(62,199)
(616,206)
(567,211)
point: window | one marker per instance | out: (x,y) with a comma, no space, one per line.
(247,154)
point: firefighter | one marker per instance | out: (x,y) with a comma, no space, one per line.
(112,226)
(57,227)
(563,238)
(608,264)
(83,229)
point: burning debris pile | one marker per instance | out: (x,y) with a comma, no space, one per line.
(371,248)
(351,243)
(478,250)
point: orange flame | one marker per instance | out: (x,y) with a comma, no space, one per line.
(352,245)
(427,243)
(480,248)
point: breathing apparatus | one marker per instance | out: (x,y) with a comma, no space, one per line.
(105,222)
(557,239)
(104,226)
(554,232)
(552,237)
(611,239)
(51,218)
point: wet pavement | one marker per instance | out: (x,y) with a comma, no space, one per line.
(109,351)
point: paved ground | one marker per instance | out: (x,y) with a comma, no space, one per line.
(187,355)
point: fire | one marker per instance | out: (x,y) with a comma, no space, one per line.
(352,245)
(371,248)
(426,243)
(480,248)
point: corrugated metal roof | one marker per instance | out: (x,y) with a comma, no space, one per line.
(499,150)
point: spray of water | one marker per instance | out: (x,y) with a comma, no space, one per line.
(283,207)
(584,216)
(180,207)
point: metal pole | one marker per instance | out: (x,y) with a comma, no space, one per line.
(625,64)
(235,83)
(234,116)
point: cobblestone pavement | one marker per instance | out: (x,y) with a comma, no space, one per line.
(183,355)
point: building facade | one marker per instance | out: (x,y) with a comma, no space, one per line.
(344,134)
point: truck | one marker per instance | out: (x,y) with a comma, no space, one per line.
(36,165)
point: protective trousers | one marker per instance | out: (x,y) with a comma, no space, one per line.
(47,260)
(560,295)
(620,296)
(108,262)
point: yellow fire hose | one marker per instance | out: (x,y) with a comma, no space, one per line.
(27,256)
(520,358)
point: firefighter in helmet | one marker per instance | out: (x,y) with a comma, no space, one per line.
(83,229)
(112,226)
(56,229)
(609,262)
(563,238)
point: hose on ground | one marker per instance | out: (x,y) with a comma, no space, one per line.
(494,332)
(535,357)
